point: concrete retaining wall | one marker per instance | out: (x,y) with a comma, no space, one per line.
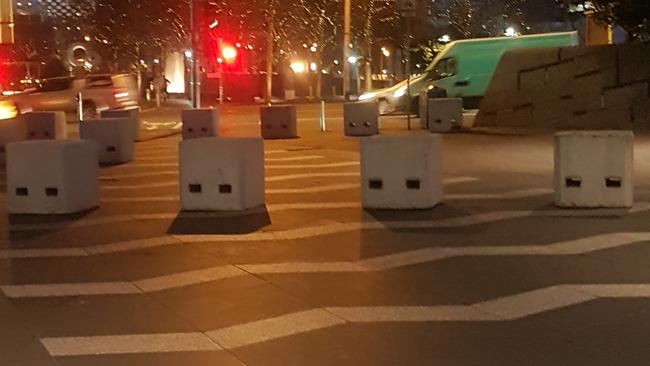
(598,87)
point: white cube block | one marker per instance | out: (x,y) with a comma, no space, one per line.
(133,114)
(361,118)
(52,177)
(594,169)
(279,122)
(218,174)
(114,137)
(200,123)
(445,114)
(401,172)
(46,126)
(11,130)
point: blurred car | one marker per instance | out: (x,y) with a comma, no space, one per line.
(99,92)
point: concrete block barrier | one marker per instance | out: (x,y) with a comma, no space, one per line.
(11,130)
(133,114)
(279,122)
(45,125)
(218,174)
(594,169)
(52,177)
(445,114)
(401,171)
(361,119)
(114,137)
(200,123)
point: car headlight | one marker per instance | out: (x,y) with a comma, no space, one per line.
(400,92)
(367,96)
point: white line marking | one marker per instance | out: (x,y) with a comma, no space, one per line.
(506,195)
(174,183)
(138,175)
(381,263)
(188,278)
(314,166)
(273,328)
(135,164)
(501,309)
(128,344)
(533,302)
(372,314)
(41,253)
(297,158)
(175,157)
(70,289)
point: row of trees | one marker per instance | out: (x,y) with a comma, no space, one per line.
(122,32)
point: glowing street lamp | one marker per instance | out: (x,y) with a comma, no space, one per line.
(511,32)
(298,67)
(385,52)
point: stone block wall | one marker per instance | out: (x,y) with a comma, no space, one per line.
(597,87)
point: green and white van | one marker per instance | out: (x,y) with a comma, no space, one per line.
(464,69)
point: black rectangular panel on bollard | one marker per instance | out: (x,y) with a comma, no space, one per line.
(361,118)
(279,122)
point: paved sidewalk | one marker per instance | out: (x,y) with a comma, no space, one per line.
(493,276)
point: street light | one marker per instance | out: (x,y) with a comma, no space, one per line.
(511,32)
(298,67)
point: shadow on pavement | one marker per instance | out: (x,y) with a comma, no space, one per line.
(223,222)
(18,222)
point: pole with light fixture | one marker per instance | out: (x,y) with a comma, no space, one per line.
(346,47)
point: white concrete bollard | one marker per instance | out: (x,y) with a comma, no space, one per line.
(114,137)
(445,114)
(218,174)
(52,177)
(133,114)
(11,130)
(361,119)
(46,125)
(200,123)
(279,122)
(401,172)
(594,169)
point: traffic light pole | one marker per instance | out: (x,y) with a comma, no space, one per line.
(194,82)
(346,47)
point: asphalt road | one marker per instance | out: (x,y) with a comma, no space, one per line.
(495,275)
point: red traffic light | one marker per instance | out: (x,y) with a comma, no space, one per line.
(229,53)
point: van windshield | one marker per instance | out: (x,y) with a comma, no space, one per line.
(444,68)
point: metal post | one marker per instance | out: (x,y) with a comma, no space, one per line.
(408,72)
(323,125)
(193,63)
(346,47)
(80,107)
(270,43)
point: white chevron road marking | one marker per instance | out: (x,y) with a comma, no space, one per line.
(126,344)
(507,308)
(381,263)
(278,178)
(341,187)
(267,166)
(164,158)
